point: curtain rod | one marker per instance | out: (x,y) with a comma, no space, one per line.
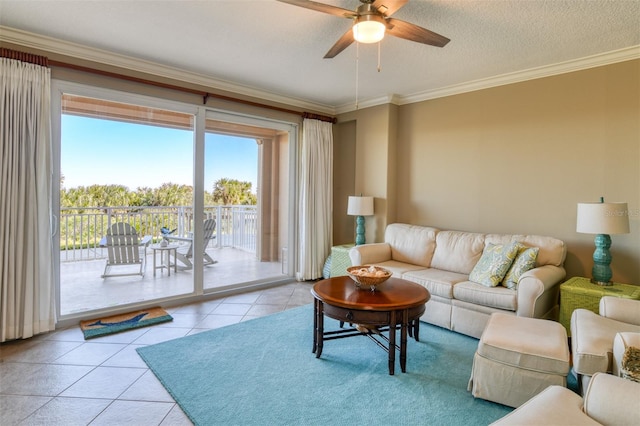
(205,95)
(43,61)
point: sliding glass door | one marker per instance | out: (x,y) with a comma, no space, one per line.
(203,197)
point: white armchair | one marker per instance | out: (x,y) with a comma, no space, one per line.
(592,335)
(609,400)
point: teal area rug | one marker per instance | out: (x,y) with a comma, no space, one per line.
(262,372)
(123,322)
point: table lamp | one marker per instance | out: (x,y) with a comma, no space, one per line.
(602,219)
(360,207)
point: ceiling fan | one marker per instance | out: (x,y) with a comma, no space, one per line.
(372,19)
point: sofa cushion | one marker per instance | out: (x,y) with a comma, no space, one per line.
(437,281)
(494,263)
(398,269)
(525,261)
(551,250)
(457,251)
(410,243)
(493,297)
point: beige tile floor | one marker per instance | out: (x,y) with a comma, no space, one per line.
(60,379)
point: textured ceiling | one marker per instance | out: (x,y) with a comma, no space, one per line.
(274,48)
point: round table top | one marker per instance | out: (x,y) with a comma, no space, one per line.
(167,247)
(395,293)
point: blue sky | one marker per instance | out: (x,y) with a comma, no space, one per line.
(111,152)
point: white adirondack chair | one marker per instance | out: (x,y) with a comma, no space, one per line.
(124,248)
(184,253)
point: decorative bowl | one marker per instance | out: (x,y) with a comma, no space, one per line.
(368,275)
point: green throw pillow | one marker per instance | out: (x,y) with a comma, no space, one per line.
(493,264)
(525,260)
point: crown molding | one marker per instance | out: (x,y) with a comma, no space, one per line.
(580,64)
(621,55)
(75,50)
(381,100)
(49,44)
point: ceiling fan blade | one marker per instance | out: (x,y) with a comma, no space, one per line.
(413,32)
(321,7)
(388,7)
(341,44)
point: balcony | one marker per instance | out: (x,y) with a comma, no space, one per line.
(82,259)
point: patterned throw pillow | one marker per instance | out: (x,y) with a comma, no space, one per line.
(630,368)
(525,260)
(493,264)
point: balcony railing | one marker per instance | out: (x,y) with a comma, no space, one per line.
(81,229)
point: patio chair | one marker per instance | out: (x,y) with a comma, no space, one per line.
(124,248)
(184,253)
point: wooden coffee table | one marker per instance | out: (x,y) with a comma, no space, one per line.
(396,303)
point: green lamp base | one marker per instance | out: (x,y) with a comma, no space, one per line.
(360,230)
(601,271)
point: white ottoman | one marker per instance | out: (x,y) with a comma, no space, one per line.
(517,358)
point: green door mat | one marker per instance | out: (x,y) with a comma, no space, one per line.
(123,322)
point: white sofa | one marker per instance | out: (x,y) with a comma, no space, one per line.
(442,260)
(609,400)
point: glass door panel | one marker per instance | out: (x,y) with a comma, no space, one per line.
(121,164)
(246,187)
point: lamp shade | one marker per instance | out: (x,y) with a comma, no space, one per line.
(360,206)
(603,218)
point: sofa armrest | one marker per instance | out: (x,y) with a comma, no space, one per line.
(611,400)
(619,309)
(366,254)
(556,405)
(538,291)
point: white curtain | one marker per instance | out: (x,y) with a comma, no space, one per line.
(26,254)
(315,198)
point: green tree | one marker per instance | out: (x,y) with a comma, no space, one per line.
(144,196)
(95,195)
(233,192)
(109,195)
(209,199)
(226,192)
(172,194)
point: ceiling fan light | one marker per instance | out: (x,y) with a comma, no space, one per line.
(368,29)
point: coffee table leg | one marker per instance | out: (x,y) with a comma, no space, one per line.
(416,329)
(315,325)
(392,343)
(403,340)
(319,329)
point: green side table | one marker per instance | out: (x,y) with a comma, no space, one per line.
(579,292)
(340,260)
